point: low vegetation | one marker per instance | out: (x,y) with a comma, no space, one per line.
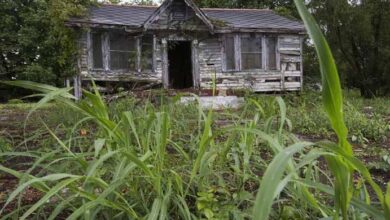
(158,156)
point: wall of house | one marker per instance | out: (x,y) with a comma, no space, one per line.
(287,78)
(210,65)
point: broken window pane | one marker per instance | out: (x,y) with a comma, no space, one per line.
(147,53)
(229,53)
(272,44)
(251,53)
(97,53)
(123,52)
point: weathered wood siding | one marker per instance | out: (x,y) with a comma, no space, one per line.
(209,50)
(178,16)
(83,52)
(288,78)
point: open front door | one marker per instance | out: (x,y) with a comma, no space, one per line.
(180,67)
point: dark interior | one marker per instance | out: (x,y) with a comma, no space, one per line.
(180,65)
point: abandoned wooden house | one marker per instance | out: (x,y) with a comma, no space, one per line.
(180,45)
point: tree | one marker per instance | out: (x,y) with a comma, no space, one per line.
(34,42)
(359,34)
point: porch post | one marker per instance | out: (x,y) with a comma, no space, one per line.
(165,64)
(195,64)
(77,87)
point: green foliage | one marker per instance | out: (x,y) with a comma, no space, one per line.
(5,145)
(356,30)
(35,45)
(15,101)
(342,164)
(138,159)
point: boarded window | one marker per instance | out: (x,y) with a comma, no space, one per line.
(251,53)
(271,49)
(123,52)
(147,53)
(97,52)
(229,53)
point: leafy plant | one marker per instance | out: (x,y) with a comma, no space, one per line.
(341,161)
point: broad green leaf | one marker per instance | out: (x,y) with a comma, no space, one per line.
(332,93)
(271,179)
(37,87)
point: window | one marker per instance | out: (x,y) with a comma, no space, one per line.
(179,11)
(246,52)
(271,50)
(147,53)
(251,53)
(229,53)
(123,52)
(97,58)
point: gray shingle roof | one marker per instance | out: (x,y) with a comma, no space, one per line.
(233,18)
(252,18)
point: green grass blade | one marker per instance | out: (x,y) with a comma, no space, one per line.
(332,93)
(37,87)
(61,206)
(154,213)
(368,209)
(19,189)
(48,195)
(271,179)
(387,202)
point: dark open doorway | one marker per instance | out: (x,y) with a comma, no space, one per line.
(180,64)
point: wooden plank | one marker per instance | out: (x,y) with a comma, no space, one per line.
(77,87)
(106,51)
(165,63)
(155,51)
(237,51)
(301,70)
(264,53)
(195,64)
(139,51)
(89,50)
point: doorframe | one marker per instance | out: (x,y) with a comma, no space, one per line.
(194,60)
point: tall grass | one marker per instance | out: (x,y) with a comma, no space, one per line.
(168,161)
(341,162)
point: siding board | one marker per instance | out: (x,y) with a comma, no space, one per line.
(210,64)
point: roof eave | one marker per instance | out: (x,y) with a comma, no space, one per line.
(90,24)
(260,30)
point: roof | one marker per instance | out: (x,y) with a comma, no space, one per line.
(135,16)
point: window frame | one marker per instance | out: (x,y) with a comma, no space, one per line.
(238,37)
(277,54)
(109,51)
(256,36)
(91,46)
(224,52)
(141,51)
(106,53)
